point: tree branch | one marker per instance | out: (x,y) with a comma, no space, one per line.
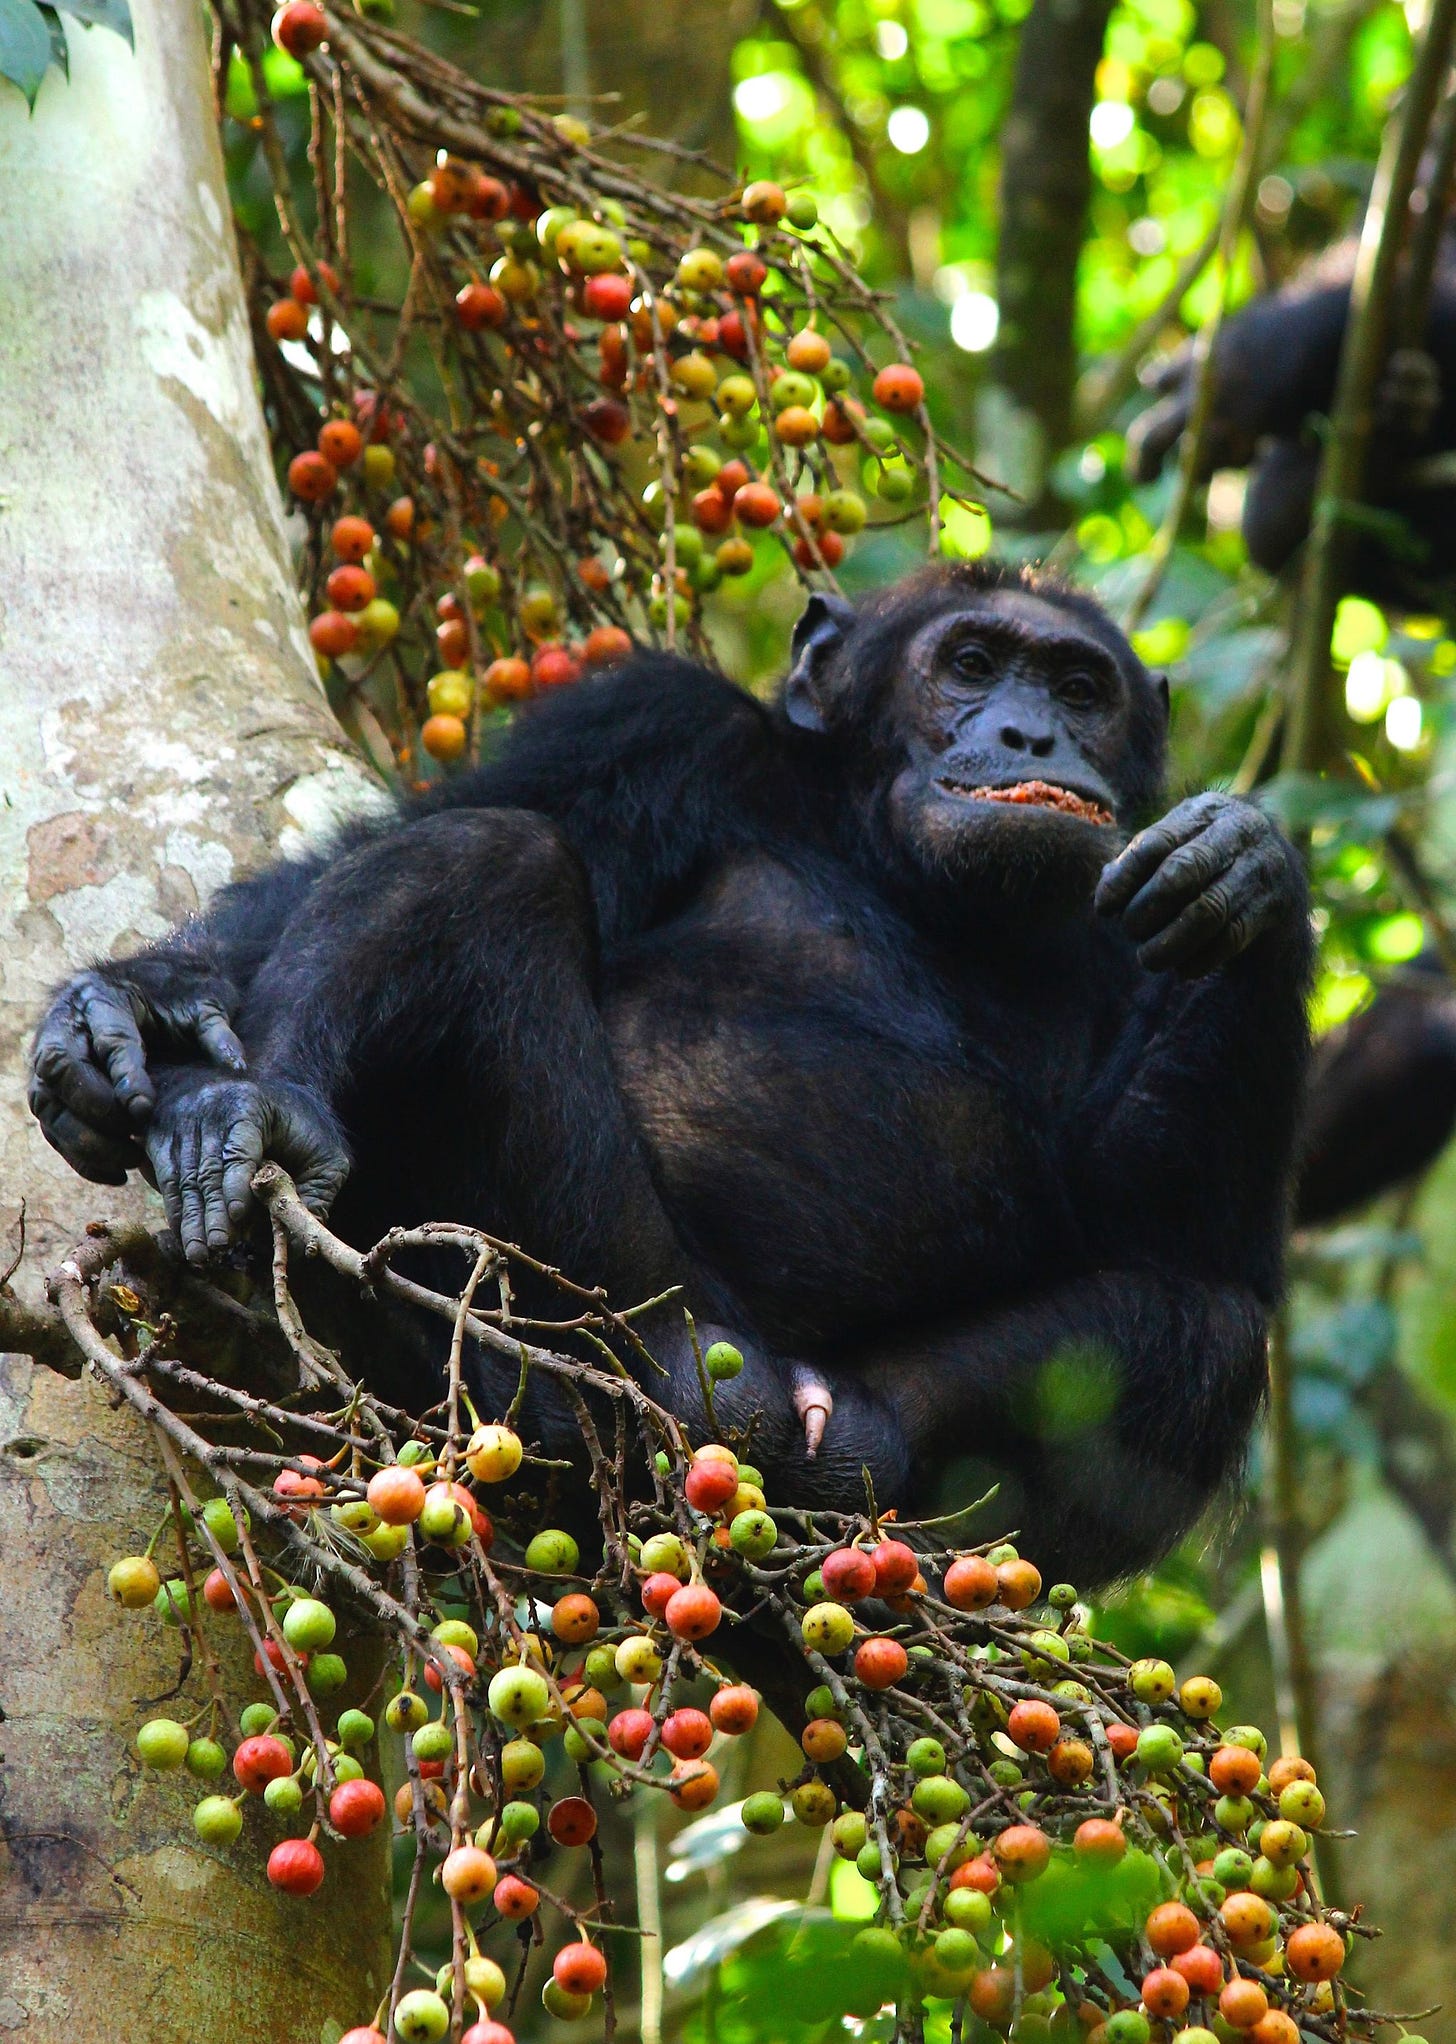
(1310,733)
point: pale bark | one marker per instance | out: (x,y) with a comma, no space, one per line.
(161,730)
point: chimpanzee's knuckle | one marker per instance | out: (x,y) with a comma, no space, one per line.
(1215,905)
(240,1143)
(79,995)
(111,1036)
(47,1058)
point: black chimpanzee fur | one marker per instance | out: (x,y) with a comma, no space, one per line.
(965,1111)
(1275,367)
(1382,1095)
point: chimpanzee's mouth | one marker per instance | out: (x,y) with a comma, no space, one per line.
(1035,795)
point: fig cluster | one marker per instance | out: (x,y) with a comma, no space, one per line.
(650,395)
(1067,1843)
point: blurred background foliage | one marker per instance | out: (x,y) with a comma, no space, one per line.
(1037,183)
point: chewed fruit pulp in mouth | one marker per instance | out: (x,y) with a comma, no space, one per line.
(1037,795)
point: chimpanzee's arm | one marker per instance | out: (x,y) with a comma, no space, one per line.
(90,1087)
(1184,1152)
(1382,1098)
(647,770)
(1275,362)
(1110,1409)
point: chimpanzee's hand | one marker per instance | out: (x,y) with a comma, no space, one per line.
(208,1136)
(1156,431)
(1197,888)
(90,1089)
(1408,396)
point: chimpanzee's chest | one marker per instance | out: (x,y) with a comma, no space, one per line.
(831,1130)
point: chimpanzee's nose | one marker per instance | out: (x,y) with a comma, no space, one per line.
(1016,738)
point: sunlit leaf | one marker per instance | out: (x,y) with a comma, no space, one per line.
(711,1943)
(1337,996)
(60,55)
(706,1842)
(1304,801)
(1394,940)
(25,46)
(852,1898)
(1360,627)
(112,14)
(1074,1902)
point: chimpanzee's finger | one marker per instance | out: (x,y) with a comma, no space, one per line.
(112,1028)
(1142,855)
(162,1153)
(242,1153)
(1223,920)
(211,1167)
(62,1057)
(217,1038)
(304,1147)
(1182,877)
(193,1228)
(1254,895)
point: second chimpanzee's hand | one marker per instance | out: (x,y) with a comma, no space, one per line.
(208,1136)
(1196,888)
(90,1088)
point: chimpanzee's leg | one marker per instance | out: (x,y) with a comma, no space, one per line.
(1110,1409)
(426,1034)
(436,993)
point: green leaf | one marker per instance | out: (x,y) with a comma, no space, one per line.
(1352,1342)
(60,55)
(25,46)
(1304,801)
(112,14)
(1073,1903)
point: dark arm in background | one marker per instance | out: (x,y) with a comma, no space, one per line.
(1382,1096)
(1274,363)
(1275,367)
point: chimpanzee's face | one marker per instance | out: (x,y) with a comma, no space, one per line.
(995,740)
(1014,717)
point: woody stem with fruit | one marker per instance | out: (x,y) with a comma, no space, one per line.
(964,1678)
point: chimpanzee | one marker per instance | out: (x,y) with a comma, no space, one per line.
(1276,362)
(1381,1102)
(862,1017)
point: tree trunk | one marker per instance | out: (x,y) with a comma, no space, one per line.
(161,728)
(1046,181)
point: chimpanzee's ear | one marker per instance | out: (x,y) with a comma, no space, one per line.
(818,635)
(1160,689)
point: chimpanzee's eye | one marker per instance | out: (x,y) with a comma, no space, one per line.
(971,662)
(1078,689)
